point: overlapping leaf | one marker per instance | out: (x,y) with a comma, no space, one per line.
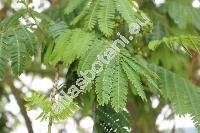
(187,42)
(183,94)
(17,45)
(103,12)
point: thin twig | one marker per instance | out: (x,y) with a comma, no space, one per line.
(53,94)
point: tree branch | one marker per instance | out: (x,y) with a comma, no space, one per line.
(193,68)
(20,101)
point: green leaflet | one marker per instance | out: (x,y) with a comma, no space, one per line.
(17,54)
(63,109)
(103,80)
(70,45)
(183,13)
(102,12)
(104,84)
(125,8)
(29,39)
(187,42)
(39,100)
(12,20)
(141,69)
(79,44)
(97,49)
(91,19)
(57,29)
(83,12)
(135,80)
(154,44)
(106,16)
(112,83)
(18,44)
(3,58)
(110,121)
(99,91)
(60,44)
(119,87)
(72,5)
(183,95)
(60,110)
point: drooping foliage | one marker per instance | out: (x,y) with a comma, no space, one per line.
(112,83)
(17,44)
(183,94)
(78,34)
